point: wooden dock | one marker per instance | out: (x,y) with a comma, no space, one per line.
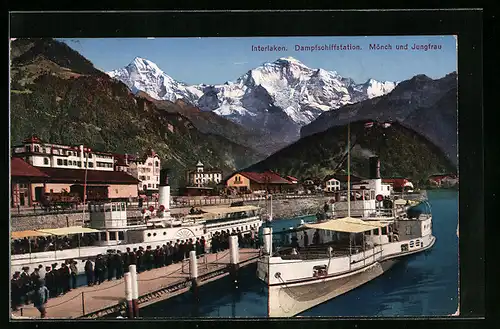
(154,286)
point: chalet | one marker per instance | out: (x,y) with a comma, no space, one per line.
(331,184)
(252,181)
(443,180)
(399,184)
(292,179)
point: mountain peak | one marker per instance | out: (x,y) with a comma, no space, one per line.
(289,60)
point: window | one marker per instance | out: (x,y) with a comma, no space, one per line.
(65,162)
(45,161)
(157,164)
(79,163)
(384,230)
(154,234)
(144,187)
(387,188)
(91,165)
(164,233)
(149,234)
(368,232)
(149,185)
(121,236)
(90,156)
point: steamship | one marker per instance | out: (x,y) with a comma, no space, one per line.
(360,240)
(108,221)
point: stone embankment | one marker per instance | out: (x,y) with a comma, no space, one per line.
(282,208)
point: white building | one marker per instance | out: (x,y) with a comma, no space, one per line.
(331,185)
(40,154)
(146,169)
(201,176)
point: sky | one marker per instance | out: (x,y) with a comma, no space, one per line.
(217,60)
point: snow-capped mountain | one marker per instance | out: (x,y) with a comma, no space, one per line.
(277,97)
(146,76)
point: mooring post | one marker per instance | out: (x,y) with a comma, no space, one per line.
(83,304)
(135,289)
(128,295)
(234,258)
(267,233)
(193,273)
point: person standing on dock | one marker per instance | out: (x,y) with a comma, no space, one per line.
(110,265)
(74,274)
(50,278)
(126,261)
(149,258)
(140,260)
(133,257)
(168,253)
(118,264)
(202,245)
(65,277)
(16,291)
(180,254)
(26,284)
(89,272)
(99,270)
(306,239)
(175,255)
(40,297)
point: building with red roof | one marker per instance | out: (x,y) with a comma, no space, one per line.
(269,181)
(29,183)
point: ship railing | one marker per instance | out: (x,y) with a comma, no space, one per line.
(317,252)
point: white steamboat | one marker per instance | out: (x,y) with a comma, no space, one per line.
(108,221)
(361,239)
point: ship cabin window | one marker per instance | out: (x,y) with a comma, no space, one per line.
(384,230)
(375,231)
(103,236)
(368,232)
(154,234)
(149,234)
(164,233)
(121,236)
(372,195)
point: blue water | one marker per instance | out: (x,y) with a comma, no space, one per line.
(425,284)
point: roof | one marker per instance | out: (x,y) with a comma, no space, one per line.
(347,224)
(267,177)
(68,230)
(228,210)
(20,168)
(26,234)
(93,176)
(292,178)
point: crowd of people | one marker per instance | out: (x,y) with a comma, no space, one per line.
(51,243)
(58,281)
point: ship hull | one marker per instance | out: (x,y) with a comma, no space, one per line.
(287,300)
(290,300)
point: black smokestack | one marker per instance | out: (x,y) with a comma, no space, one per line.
(164,177)
(374,168)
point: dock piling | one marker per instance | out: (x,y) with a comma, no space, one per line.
(128,295)
(135,289)
(234,258)
(193,273)
(268,239)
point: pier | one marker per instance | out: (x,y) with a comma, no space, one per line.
(153,286)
